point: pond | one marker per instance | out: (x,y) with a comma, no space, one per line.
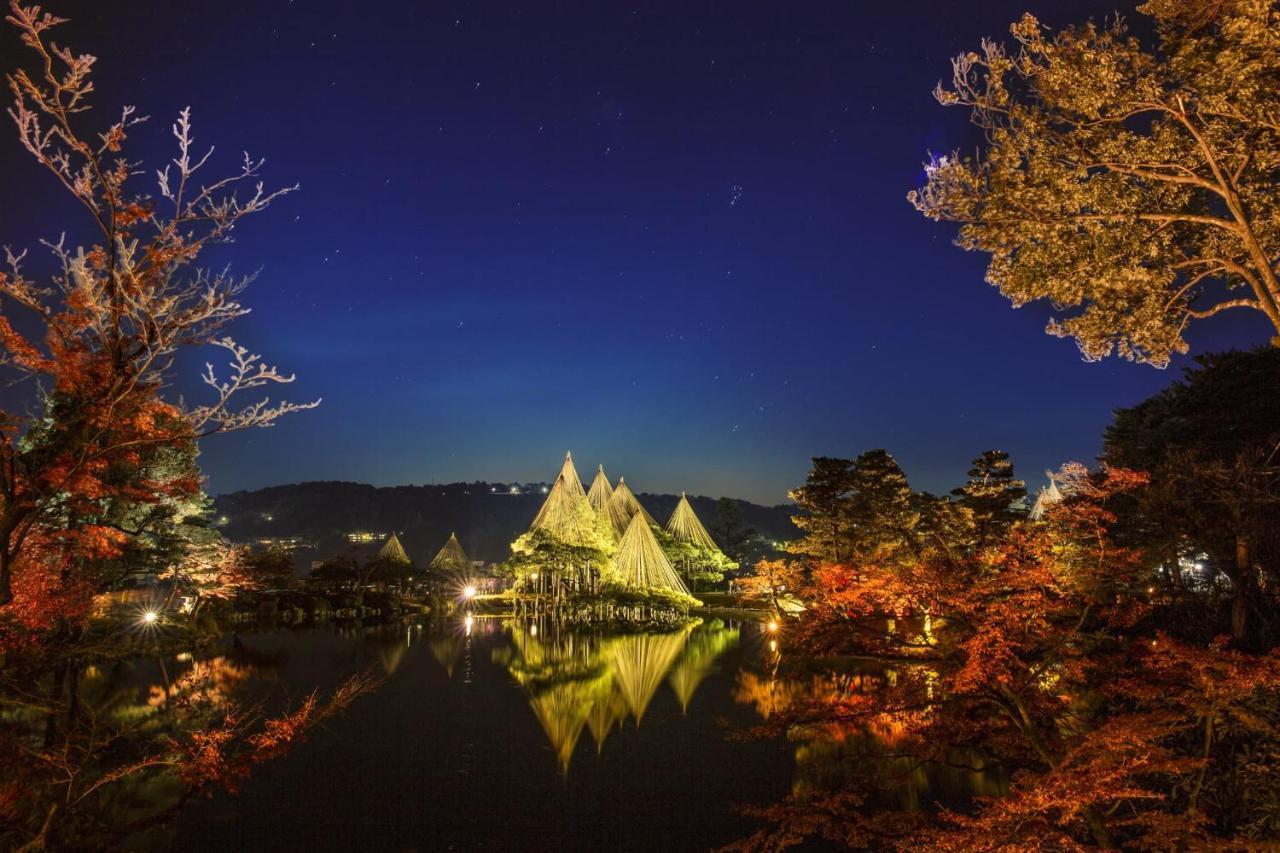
(491,733)
(495,735)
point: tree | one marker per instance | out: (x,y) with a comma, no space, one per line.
(731,531)
(882,510)
(1211,442)
(558,563)
(995,499)
(1133,187)
(1055,670)
(824,504)
(696,563)
(107,330)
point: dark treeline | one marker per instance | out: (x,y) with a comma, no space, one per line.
(485,516)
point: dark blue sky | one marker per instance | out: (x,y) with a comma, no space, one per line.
(670,236)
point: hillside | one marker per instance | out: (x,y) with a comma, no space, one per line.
(486,516)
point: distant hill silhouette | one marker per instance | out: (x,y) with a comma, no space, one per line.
(486,516)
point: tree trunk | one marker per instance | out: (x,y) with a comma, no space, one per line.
(6,591)
(1241,582)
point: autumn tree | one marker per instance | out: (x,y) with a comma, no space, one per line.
(1056,671)
(101,337)
(1133,186)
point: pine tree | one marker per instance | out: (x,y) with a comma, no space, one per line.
(823,501)
(994,497)
(882,507)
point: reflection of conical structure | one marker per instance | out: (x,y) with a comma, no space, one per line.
(452,560)
(447,651)
(640,662)
(640,561)
(685,526)
(390,655)
(562,711)
(623,506)
(565,678)
(392,551)
(600,492)
(698,661)
(566,514)
(607,712)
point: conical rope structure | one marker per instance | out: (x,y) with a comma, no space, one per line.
(600,492)
(451,559)
(623,506)
(640,561)
(392,551)
(566,514)
(685,526)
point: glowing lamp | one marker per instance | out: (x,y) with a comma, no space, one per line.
(469,591)
(150,616)
(772,626)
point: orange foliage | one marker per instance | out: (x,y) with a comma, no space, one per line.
(1041,653)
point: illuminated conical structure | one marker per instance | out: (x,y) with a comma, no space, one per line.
(566,514)
(600,492)
(685,526)
(640,561)
(623,506)
(452,560)
(393,552)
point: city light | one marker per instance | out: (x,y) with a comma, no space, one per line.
(469,591)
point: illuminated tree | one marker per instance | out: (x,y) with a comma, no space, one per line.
(824,504)
(882,511)
(107,329)
(1132,186)
(1114,721)
(995,499)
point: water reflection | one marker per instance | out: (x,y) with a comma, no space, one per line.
(579,681)
(865,753)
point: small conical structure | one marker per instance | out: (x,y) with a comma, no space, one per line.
(600,492)
(392,551)
(640,561)
(623,506)
(685,526)
(1049,495)
(451,559)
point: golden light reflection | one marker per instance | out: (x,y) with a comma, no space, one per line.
(578,682)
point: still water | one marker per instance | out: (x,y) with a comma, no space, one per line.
(497,735)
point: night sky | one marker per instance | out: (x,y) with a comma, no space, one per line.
(669,236)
